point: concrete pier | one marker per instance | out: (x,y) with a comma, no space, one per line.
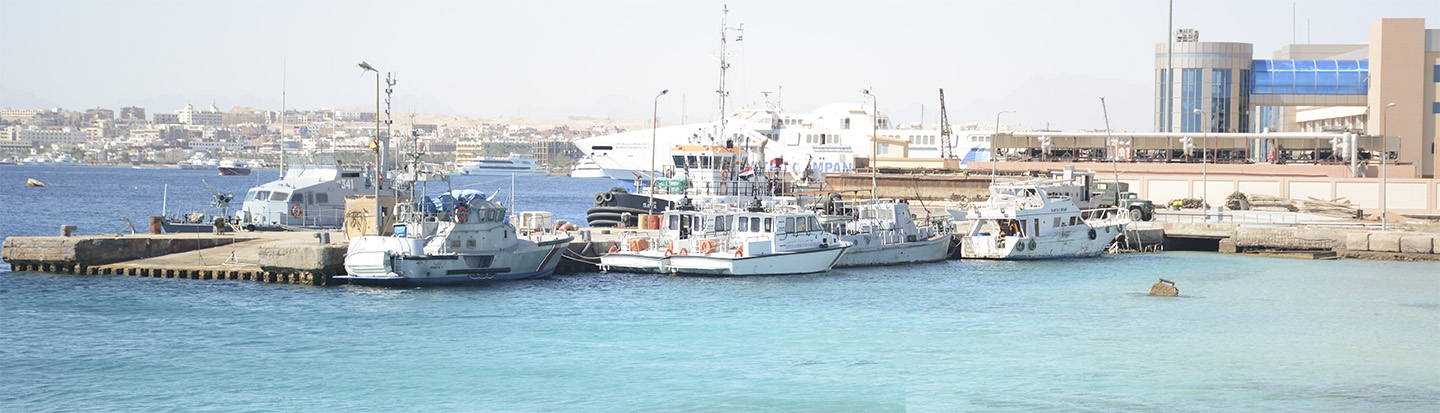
(275,257)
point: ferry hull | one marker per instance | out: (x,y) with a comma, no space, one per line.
(864,254)
(492,172)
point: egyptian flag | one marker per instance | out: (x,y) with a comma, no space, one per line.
(748,172)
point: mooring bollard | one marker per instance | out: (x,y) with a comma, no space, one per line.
(1164,288)
(66,230)
(156,225)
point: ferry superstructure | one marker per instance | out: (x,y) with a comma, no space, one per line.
(824,141)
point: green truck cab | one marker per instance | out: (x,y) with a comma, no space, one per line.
(1105,192)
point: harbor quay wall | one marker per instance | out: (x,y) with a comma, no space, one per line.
(1162,183)
(291,258)
(1345,242)
(98,250)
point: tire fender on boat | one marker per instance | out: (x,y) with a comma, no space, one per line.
(1092,233)
(1032,244)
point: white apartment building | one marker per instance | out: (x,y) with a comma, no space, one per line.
(208,117)
(48,136)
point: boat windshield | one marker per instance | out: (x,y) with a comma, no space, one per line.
(279,196)
(261,196)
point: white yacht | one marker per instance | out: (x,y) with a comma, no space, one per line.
(1021,221)
(199,161)
(515,164)
(459,238)
(719,240)
(882,232)
(587,168)
(712,173)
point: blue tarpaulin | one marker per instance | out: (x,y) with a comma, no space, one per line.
(447,201)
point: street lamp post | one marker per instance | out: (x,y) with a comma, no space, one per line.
(654,129)
(874,142)
(1204,177)
(994,152)
(379,168)
(1384,153)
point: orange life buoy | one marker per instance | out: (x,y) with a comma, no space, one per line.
(740,251)
(684,251)
(462,214)
(297,211)
(670,249)
(614,249)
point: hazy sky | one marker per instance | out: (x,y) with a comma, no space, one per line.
(1049,60)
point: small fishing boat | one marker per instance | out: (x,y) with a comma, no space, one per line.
(1021,221)
(725,241)
(459,237)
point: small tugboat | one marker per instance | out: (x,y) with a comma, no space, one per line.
(883,232)
(461,237)
(1021,221)
(720,240)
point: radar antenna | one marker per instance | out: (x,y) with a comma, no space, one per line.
(947,147)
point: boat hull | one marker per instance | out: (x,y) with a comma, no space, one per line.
(502,172)
(720,264)
(234,171)
(864,254)
(394,261)
(1067,244)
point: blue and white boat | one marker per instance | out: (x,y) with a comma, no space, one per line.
(461,237)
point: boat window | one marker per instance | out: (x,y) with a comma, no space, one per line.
(279,196)
(1057,222)
(814,223)
(744,225)
(867,213)
(678,160)
(705,162)
(769,224)
(297,198)
(719,224)
(251,195)
(322,198)
(789,225)
(310,198)
(674,222)
(691,161)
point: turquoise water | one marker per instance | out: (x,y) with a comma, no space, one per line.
(1247,334)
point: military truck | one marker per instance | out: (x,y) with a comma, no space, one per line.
(1089,193)
(1104,193)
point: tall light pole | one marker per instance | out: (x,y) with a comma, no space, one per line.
(874,142)
(654,129)
(1384,153)
(375,144)
(1204,178)
(994,152)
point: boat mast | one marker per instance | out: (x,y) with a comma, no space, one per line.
(283,74)
(724,58)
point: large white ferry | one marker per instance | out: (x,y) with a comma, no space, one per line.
(824,141)
(516,164)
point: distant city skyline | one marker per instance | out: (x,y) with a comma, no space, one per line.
(1048,60)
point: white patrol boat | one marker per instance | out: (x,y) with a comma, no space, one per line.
(1021,221)
(460,237)
(883,232)
(726,241)
(309,194)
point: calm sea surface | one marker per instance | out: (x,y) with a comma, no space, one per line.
(1247,334)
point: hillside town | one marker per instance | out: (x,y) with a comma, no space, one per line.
(135,136)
